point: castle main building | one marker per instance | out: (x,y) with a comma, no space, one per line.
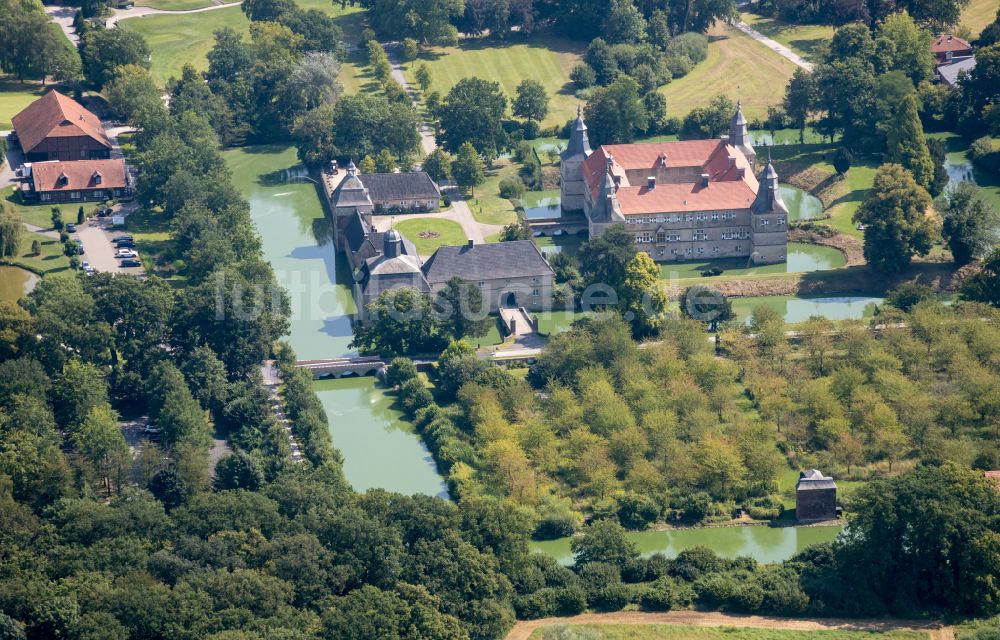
(687,200)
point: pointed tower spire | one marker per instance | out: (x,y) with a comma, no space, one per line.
(579,144)
(768,198)
(738,126)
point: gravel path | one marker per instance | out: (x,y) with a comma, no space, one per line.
(427,141)
(775,46)
(523,630)
(138,12)
(63,16)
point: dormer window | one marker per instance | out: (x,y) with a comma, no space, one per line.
(96,178)
(62,180)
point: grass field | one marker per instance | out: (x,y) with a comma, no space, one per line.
(39,215)
(488,207)
(977,14)
(690,632)
(175,5)
(546,59)
(803,39)
(14,97)
(186,38)
(50,260)
(737,66)
(447,232)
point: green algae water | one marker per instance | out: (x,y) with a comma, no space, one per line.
(800,309)
(801,205)
(801,258)
(763,544)
(15,283)
(380,450)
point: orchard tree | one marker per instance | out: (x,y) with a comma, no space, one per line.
(895,220)
(970,223)
(984,286)
(706,304)
(531,103)
(467,168)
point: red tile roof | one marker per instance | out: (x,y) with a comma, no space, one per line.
(55,115)
(732,185)
(80,174)
(944,43)
(993,474)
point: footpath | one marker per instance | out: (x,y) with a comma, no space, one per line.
(935,630)
(272,381)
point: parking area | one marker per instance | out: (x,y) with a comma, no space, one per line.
(97,236)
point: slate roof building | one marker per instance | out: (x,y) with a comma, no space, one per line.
(685,200)
(413,191)
(79,181)
(815,497)
(56,127)
(509,274)
(951,73)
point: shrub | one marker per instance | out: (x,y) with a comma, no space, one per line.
(678,66)
(693,46)
(842,160)
(511,187)
(637,511)
(571,600)
(695,562)
(583,76)
(3,150)
(414,395)
(523,152)
(659,595)
(540,604)
(530,129)
(36,247)
(445,201)
(399,371)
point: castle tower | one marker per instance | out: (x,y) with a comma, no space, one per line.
(572,185)
(738,135)
(769,220)
(606,210)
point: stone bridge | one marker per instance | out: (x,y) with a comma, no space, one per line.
(373,365)
(568,224)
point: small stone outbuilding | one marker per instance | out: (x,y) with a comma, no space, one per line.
(815,497)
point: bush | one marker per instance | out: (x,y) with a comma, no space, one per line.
(659,595)
(414,396)
(842,160)
(511,188)
(445,201)
(583,76)
(637,511)
(399,371)
(695,562)
(523,152)
(571,600)
(530,129)
(3,150)
(693,46)
(678,66)
(540,604)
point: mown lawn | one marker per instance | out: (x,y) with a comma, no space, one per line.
(15,96)
(176,40)
(977,14)
(487,206)
(176,5)
(803,39)
(544,58)
(688,632)
(737,66)
(439,233)
(51,258)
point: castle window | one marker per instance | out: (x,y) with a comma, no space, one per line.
(701,251)
(659,252)
(534,292)
(715,249)
(661,236)
(715,217)
(738,248)
(781,221)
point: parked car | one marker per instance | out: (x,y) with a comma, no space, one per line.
(124,238)
(104,213)
(70,228)
(87,268)
(127,244)
(79,247)
(131,262)
(152,431)
(126,253)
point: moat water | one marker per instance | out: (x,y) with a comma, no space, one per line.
(15,283)
(379,448)
(763,544)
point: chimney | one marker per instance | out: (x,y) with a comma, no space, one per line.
(704,180)
(949,38)
(471,243)
(651,182)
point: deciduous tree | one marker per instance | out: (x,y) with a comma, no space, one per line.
(895,219)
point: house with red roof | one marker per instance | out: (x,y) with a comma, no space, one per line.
(684,200)
(78,181)
(56,127)
(947,47)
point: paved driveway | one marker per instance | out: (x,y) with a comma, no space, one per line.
(100,252)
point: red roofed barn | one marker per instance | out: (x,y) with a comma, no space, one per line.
(55,127)
(687,200)
(83,180)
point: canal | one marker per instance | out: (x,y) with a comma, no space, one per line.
(763,544)
(801,308)
(379,448)
(15,283)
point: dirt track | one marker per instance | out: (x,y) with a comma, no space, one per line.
(522,630)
